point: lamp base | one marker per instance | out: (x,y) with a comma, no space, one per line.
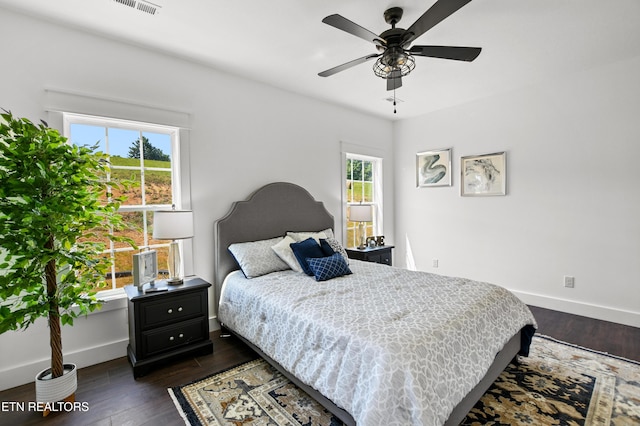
(174,264)
(361,236)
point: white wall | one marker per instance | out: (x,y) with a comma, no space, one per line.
(573,203)
(243,135)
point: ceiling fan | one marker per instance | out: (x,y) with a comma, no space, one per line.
(395,57)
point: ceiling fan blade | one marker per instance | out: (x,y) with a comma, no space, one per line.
(347,65)
(346,25)
(440,10)
(447,52)
(394,82)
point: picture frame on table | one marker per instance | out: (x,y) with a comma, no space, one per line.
(145,268)
(483,175)
(433,168)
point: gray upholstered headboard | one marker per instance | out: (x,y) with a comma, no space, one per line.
(269,212)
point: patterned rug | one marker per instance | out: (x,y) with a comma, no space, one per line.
(558,384)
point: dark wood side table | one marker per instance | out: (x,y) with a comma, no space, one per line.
(378,254)
(167,324)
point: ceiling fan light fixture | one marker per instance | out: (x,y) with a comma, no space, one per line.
(391,61)
(394,46)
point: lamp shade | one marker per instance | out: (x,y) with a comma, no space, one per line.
(361,213)
(172,224)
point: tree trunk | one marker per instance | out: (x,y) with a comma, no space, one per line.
(55,332)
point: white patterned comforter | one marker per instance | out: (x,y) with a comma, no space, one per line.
(390,346)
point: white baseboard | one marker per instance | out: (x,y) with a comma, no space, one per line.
(583,309)
(214,324)
(21,374)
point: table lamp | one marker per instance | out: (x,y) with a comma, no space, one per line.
(361,213)
(173,225)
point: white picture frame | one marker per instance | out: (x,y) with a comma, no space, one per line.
(145,268)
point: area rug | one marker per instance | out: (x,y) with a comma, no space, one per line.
(558,384)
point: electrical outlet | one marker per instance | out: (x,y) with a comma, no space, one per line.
(434,263)
(569,282)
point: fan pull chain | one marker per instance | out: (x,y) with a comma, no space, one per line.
(394,99)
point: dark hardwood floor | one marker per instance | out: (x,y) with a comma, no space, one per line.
(113,397)
(613,338)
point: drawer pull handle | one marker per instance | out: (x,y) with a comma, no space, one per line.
(171,338)
(181,335)
(180,309)
(170,311)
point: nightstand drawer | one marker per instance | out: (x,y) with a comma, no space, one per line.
(170,337)
(384,258)
(378,254)
(172,309)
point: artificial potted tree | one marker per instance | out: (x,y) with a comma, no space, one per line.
(56,213)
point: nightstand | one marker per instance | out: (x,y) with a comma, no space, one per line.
(167,324)
(379,254)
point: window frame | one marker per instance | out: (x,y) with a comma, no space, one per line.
(377,194)
(176,182)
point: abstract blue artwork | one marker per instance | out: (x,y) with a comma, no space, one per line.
(433,168)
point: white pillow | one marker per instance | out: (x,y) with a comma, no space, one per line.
(301,236)
(284,252)
(256,258)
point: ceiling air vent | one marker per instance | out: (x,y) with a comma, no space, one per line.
(142,6)
(150,8)
(130,3)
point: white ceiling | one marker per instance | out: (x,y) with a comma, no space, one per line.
(284,43)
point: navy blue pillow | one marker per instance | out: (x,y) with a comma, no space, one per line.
(326,248)
(325,268)
(303,250)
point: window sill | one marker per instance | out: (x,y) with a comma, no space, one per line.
(111,301)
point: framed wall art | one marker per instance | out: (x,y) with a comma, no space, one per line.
(145,268)
(483,175)
(433,168)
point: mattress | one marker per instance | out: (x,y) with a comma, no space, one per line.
(388,345)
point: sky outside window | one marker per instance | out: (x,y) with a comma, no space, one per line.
(120,140)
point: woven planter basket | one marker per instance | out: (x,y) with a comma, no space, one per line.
(54,390)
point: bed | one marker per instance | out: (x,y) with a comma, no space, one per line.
(380,345)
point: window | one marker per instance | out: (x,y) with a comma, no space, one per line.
(363,185)
(143,153)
